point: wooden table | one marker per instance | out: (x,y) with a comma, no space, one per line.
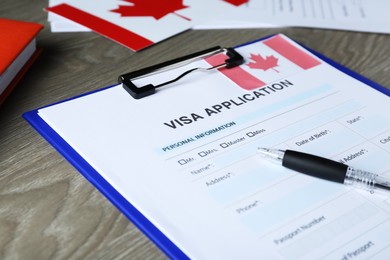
(47,209)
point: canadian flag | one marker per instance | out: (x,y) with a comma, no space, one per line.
(267,61)
(139,23)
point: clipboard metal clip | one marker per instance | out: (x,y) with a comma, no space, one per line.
(234,59)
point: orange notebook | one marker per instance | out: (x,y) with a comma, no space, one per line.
(17,52)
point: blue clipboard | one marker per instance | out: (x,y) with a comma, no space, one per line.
(142,223)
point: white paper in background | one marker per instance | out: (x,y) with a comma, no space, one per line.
(353,15)
(185,156)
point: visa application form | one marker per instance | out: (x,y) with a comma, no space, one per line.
(185,157)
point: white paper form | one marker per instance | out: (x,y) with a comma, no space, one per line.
(185,157)
(353,15)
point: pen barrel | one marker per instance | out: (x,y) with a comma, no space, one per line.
(366,180)
(315,166)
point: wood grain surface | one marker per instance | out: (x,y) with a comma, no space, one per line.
(47,209)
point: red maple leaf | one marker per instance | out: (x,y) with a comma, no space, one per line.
(270,62)
(237,2)
(150,8)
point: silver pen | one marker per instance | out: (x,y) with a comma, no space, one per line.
(327,169)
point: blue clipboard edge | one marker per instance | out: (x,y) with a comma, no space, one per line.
(351,73)
(139,220)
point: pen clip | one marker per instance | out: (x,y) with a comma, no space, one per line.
(235,59)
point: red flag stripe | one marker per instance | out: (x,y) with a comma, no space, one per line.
(110,30)
(238,75)
(292,53)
